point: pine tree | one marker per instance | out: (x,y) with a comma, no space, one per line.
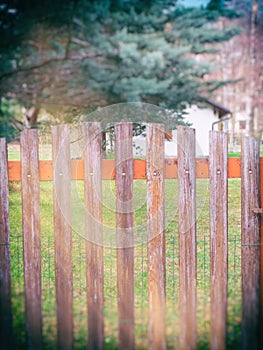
(73,56)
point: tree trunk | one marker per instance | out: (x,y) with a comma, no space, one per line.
(31,116)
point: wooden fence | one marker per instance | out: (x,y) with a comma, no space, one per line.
(92,169)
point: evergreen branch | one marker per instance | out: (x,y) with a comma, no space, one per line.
(48,62)
(80,42)
(70,28)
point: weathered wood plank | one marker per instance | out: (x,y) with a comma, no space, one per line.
(261,254)
(156,235)
(250,239)
(218,238)
(5,275)
(94,235)
(187,237)
(125,239)
(63,235)
(31,236)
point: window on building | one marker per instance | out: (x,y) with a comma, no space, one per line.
(242,124)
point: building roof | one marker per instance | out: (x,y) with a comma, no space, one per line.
(221,110)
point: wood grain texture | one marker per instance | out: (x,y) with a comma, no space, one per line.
(63,235)
(5,275)
(218,238)
(125,239)
(250,239)
(94,235)
(187,237)
(156,235)
(31,236)
(261,255)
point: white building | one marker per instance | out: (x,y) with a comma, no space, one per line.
(211,116)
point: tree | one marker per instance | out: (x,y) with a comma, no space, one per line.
(8,125)
(72,56)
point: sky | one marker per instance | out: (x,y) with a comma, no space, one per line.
(192,3)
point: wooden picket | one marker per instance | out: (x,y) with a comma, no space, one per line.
(124,169)
(94,236)
(156,235)
(261,256)
(63,235)
(31,236)
(218,238)
(187,237)
(250,241)
(124,233)
(5,275)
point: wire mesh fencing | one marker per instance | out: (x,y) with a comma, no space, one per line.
(140,272)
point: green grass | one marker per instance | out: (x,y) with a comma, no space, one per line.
(45,152)
(14,154)
(234,155)
(238,154)
(110,288)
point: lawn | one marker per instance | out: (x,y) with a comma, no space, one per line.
(172,278)
(45,152)
(238,154)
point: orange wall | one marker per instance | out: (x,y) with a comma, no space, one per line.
(202,169)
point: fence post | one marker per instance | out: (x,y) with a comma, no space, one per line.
(218,160)
(124,228)
(31,236)
(5,275)
(156,234)
(187,236)
(250,239)
(63,234)
(92,155)
(261,254)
